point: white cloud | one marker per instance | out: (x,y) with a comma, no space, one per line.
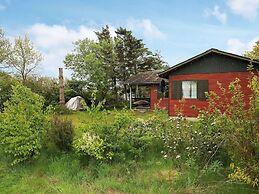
(146,27)
(55,41)
(58,36)
(236,46)
(219,15)
(246,8)
(2,7)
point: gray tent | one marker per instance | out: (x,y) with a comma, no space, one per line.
(75,103)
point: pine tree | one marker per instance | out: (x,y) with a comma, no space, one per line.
(108,54)
(109,62)
(132,55)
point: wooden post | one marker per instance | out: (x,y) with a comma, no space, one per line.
(137,92)
(61,88)
(130,98)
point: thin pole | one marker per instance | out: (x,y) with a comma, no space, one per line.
(61,88)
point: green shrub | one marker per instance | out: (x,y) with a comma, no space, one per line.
(89,146)
(227,131)
(61,133)
(125,138)
(62,110)
(239,129)
(6,82)
(23,125)
(185,139)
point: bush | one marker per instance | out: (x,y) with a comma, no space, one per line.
(6,82)
(62,110)
(125,138)
(227,132)
(89,146)
(23,125)
(234,131)
(184,140)
(61,133)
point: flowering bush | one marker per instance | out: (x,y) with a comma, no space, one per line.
(89,145)
(185,140)
(238,126)
(227,131)
(125,138)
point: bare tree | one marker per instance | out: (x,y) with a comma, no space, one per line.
(5,49)
(24,58)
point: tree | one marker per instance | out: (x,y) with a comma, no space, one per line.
(254,53)
(108,62)
(108,54)
(87,63)
(133,57)
(5,48)
(46,87)
(74,88)
(24,58)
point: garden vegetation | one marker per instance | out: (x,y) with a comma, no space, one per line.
(46,149)
(174,154)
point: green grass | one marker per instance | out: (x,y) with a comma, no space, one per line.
(83,120)
(65,173)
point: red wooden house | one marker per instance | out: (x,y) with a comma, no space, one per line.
(189,80)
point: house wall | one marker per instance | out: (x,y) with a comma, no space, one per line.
(213,78)
(154,101)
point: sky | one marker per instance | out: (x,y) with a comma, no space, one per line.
(175,28)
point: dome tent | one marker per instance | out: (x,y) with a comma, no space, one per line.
(75,103)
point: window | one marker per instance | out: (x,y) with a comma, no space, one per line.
(191,89)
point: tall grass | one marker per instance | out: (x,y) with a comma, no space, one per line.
(57,172)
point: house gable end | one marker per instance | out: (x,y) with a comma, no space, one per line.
(213,63)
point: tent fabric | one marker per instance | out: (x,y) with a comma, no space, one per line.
(75,103)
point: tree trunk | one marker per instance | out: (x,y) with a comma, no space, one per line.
(125,92)
(115,88)
(61,88)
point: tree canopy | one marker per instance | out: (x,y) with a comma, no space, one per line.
(5,48)
(24,58)
(109,61)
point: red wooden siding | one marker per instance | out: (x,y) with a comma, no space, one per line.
(213,78)
(154,101)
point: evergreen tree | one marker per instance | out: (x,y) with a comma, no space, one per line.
(132,55)
(107,63)
(108,54)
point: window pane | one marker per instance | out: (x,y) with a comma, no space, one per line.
(193,89)
(186,89)
(189,89)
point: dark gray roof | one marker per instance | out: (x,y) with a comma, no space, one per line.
(145,78)
(166,73)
